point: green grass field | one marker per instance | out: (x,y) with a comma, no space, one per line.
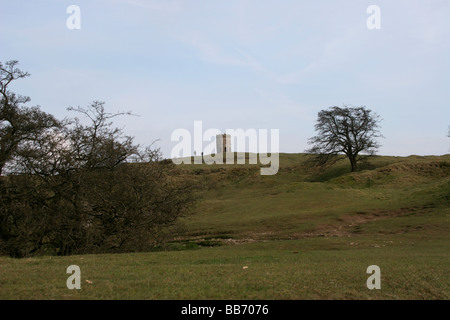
(294,235)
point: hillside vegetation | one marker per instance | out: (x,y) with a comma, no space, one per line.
(298,234)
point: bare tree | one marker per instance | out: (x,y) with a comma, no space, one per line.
(349,131)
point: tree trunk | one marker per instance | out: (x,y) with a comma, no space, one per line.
(352,159)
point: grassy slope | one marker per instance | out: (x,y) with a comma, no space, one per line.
(301,236)
(292,204)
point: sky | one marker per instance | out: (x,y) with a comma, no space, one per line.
(232,64)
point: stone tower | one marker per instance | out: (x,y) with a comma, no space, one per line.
(223,143)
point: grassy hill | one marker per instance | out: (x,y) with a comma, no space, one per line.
(294,235)
(237,201)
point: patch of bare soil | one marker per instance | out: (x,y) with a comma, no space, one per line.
(350,224)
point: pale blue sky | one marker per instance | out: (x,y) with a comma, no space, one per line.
(239,64)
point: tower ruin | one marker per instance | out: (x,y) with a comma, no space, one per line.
(223,143)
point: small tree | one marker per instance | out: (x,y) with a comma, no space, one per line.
(349,131)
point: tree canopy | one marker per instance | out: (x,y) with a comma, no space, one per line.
(18,124)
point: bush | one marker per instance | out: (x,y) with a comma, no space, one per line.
(89,191)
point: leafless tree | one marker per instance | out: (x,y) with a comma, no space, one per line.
(349,131)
